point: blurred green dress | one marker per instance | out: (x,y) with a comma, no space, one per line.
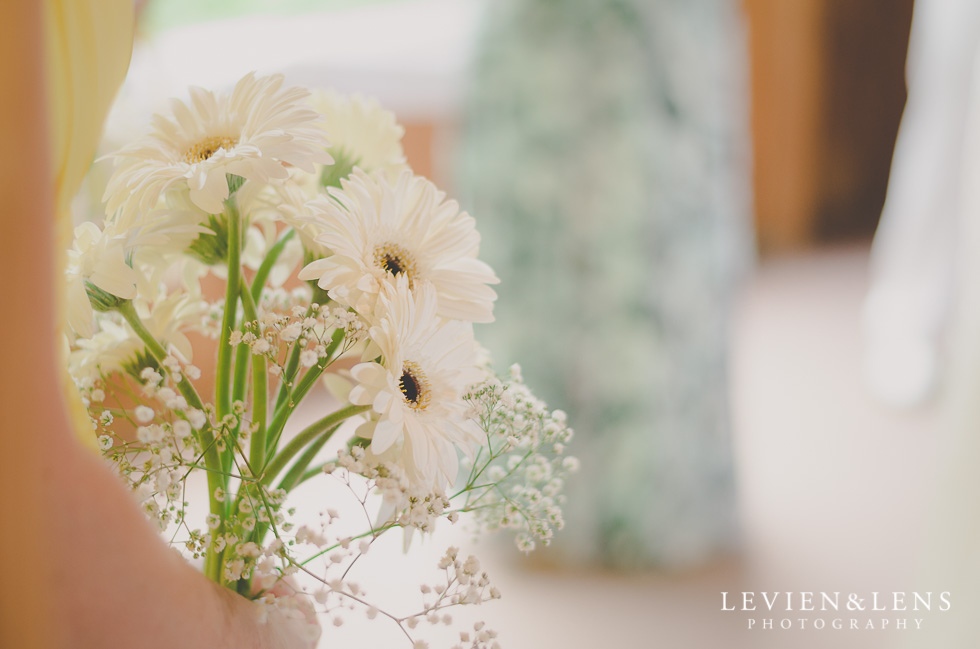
(605,155)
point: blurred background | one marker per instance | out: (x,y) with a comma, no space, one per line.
(681,198)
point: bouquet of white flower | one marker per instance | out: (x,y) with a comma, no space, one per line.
(262,189)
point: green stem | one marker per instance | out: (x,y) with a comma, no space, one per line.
(187,390)
(240,383)
(260,396)
(223,383)
(239,389)
(292,365)
(309,434)
(223,378)
(204,435)
(313,472)
(305,436)
(299,391)
(270,259)
(295,476)
(316,435)
(298,470)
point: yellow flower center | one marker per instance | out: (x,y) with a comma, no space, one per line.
(392,258)
(414,386)
(201,151)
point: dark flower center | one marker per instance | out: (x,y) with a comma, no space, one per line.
(414,386)
(392,258)
(392,264)
(409,387)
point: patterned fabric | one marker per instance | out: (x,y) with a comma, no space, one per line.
(605,156)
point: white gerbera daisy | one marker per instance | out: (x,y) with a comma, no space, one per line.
(378,232)
(416,393)
(251,133)
(362,134)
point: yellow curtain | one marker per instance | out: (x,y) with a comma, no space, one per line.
(88,47)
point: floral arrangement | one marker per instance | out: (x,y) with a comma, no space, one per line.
(286,231)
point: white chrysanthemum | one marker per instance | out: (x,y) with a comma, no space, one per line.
(416,394)
(250,133)
(105,352)
(124,263)
(362,133)
(116,345)
(97,257)
(379,231)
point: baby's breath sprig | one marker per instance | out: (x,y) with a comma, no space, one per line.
(516,479)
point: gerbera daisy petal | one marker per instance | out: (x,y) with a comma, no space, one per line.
(385,434)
